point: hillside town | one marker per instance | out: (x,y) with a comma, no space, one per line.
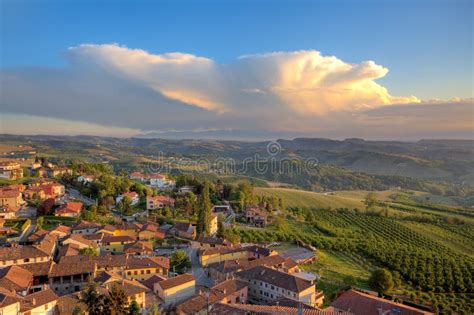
(156,245)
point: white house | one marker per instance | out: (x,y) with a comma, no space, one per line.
(84,179)
(132,195)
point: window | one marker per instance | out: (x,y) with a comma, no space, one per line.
(135,272)
(46,306)
(129,273)
(273,288)
(148,271)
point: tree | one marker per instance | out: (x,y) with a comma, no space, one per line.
(134,309)
(220,225)
(204,215)
(89,251)
(370,201)
(95,302)
(117,300)
(154,310)
(46,207)
(180,261)
(381,281)
(350,280)
(125,206)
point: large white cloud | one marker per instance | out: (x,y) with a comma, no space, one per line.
(304,81)
(301,92)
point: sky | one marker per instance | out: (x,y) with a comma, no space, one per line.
(399,70)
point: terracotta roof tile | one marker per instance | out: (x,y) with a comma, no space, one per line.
(275,277)
(363,303)
(176,281)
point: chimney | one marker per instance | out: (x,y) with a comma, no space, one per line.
(33,301)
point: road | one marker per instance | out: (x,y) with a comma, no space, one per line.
(76,194)
(28,231)
(198,272)
(231,214)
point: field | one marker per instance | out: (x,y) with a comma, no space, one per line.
(308,199)
(426,250)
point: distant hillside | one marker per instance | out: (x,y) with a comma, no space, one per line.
(442,167)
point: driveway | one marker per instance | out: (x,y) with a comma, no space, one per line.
(77,195)
(28,231)
(197,271)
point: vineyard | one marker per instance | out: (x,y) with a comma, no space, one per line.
(425,263)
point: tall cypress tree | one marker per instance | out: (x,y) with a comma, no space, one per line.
(204,215)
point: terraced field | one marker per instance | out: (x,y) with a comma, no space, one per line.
(308,199)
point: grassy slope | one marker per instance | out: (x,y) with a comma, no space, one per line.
(301,198)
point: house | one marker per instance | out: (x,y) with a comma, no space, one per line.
(133,196)
(244,309)
(10,170)
(134,290)
(69,250)
(256,215)
(229,291)
(224,209)
(186,189)
(150,231)
(137,176)
(41,302)
(70,275)
(27,254)
(59,171)
(124,229)
(259,252)
(61,231)
(11,197)
(142,268)
(210,242)
(225,270)
(157,180)
(40,272)
(214,255)
(139,248)
(69,209)
(85,228)
(175,290)
(184,230)
(7,213)
(159,202)
(9,302)
(115,244)
(78,240)
(267,284)
(53,190)
(34,193)
(301,255)
(16,279)
(361,303)
(67,304)
(85,179)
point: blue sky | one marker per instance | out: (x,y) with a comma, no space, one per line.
(425,45)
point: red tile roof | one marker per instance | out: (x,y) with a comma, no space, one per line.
(70,207)
(244,309)
(176,281)
(366,304)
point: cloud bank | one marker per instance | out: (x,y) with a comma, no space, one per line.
(299,92)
